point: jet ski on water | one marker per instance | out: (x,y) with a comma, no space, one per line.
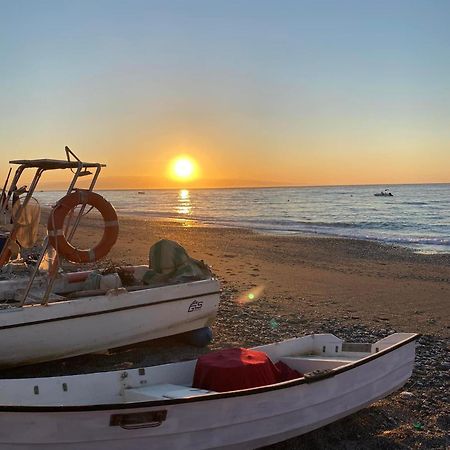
(385,193)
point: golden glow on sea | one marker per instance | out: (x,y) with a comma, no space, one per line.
(184,207)
(184,194)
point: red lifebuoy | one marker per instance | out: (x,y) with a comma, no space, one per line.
(57,217)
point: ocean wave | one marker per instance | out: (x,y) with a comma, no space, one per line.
(414,203)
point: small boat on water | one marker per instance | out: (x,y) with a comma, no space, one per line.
(159,408)
(47,312)
(385,193)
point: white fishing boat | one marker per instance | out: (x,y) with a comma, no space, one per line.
(158,407)
(47,313)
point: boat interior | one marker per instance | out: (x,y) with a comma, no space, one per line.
(311,355)
(81,284)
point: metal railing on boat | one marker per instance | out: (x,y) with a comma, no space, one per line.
(42,165)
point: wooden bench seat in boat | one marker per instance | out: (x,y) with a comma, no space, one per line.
(162,392)
(309,363)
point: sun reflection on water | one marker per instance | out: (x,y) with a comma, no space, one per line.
(183,194)
(184,206)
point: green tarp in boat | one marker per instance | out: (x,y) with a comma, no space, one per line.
(168,260)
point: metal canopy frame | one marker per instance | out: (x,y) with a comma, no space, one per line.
(79,169)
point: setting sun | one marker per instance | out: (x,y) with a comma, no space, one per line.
(183,168)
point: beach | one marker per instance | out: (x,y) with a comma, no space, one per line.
(300,149)
(358,290)
(315,278)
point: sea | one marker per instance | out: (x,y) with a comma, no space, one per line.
(415,216)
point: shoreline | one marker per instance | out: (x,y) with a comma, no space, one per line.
(195,223)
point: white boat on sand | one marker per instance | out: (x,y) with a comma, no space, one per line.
(157,407)
(102,320)
(48,313)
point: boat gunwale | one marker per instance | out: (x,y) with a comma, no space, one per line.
(104,311)
(212,396)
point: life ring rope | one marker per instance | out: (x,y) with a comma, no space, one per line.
(55,227)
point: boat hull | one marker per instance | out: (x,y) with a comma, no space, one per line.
(240,420)
(85,325)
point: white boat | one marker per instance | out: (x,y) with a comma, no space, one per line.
(157,407)
(49,314)
(67,327)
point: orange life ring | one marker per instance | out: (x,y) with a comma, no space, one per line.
(57,217)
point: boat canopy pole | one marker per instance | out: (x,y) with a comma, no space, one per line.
(12,236)
(3,197)
(54,273)
(12,188)
(44,250)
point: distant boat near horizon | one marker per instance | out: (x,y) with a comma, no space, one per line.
(385,193)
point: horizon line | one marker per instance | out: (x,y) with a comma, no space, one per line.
(262,187)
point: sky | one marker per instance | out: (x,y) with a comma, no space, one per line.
(257,92)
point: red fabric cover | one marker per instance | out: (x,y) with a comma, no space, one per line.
(285,373)
(234,369)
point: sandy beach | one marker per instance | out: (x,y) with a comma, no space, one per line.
(358,290)
(312,278)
